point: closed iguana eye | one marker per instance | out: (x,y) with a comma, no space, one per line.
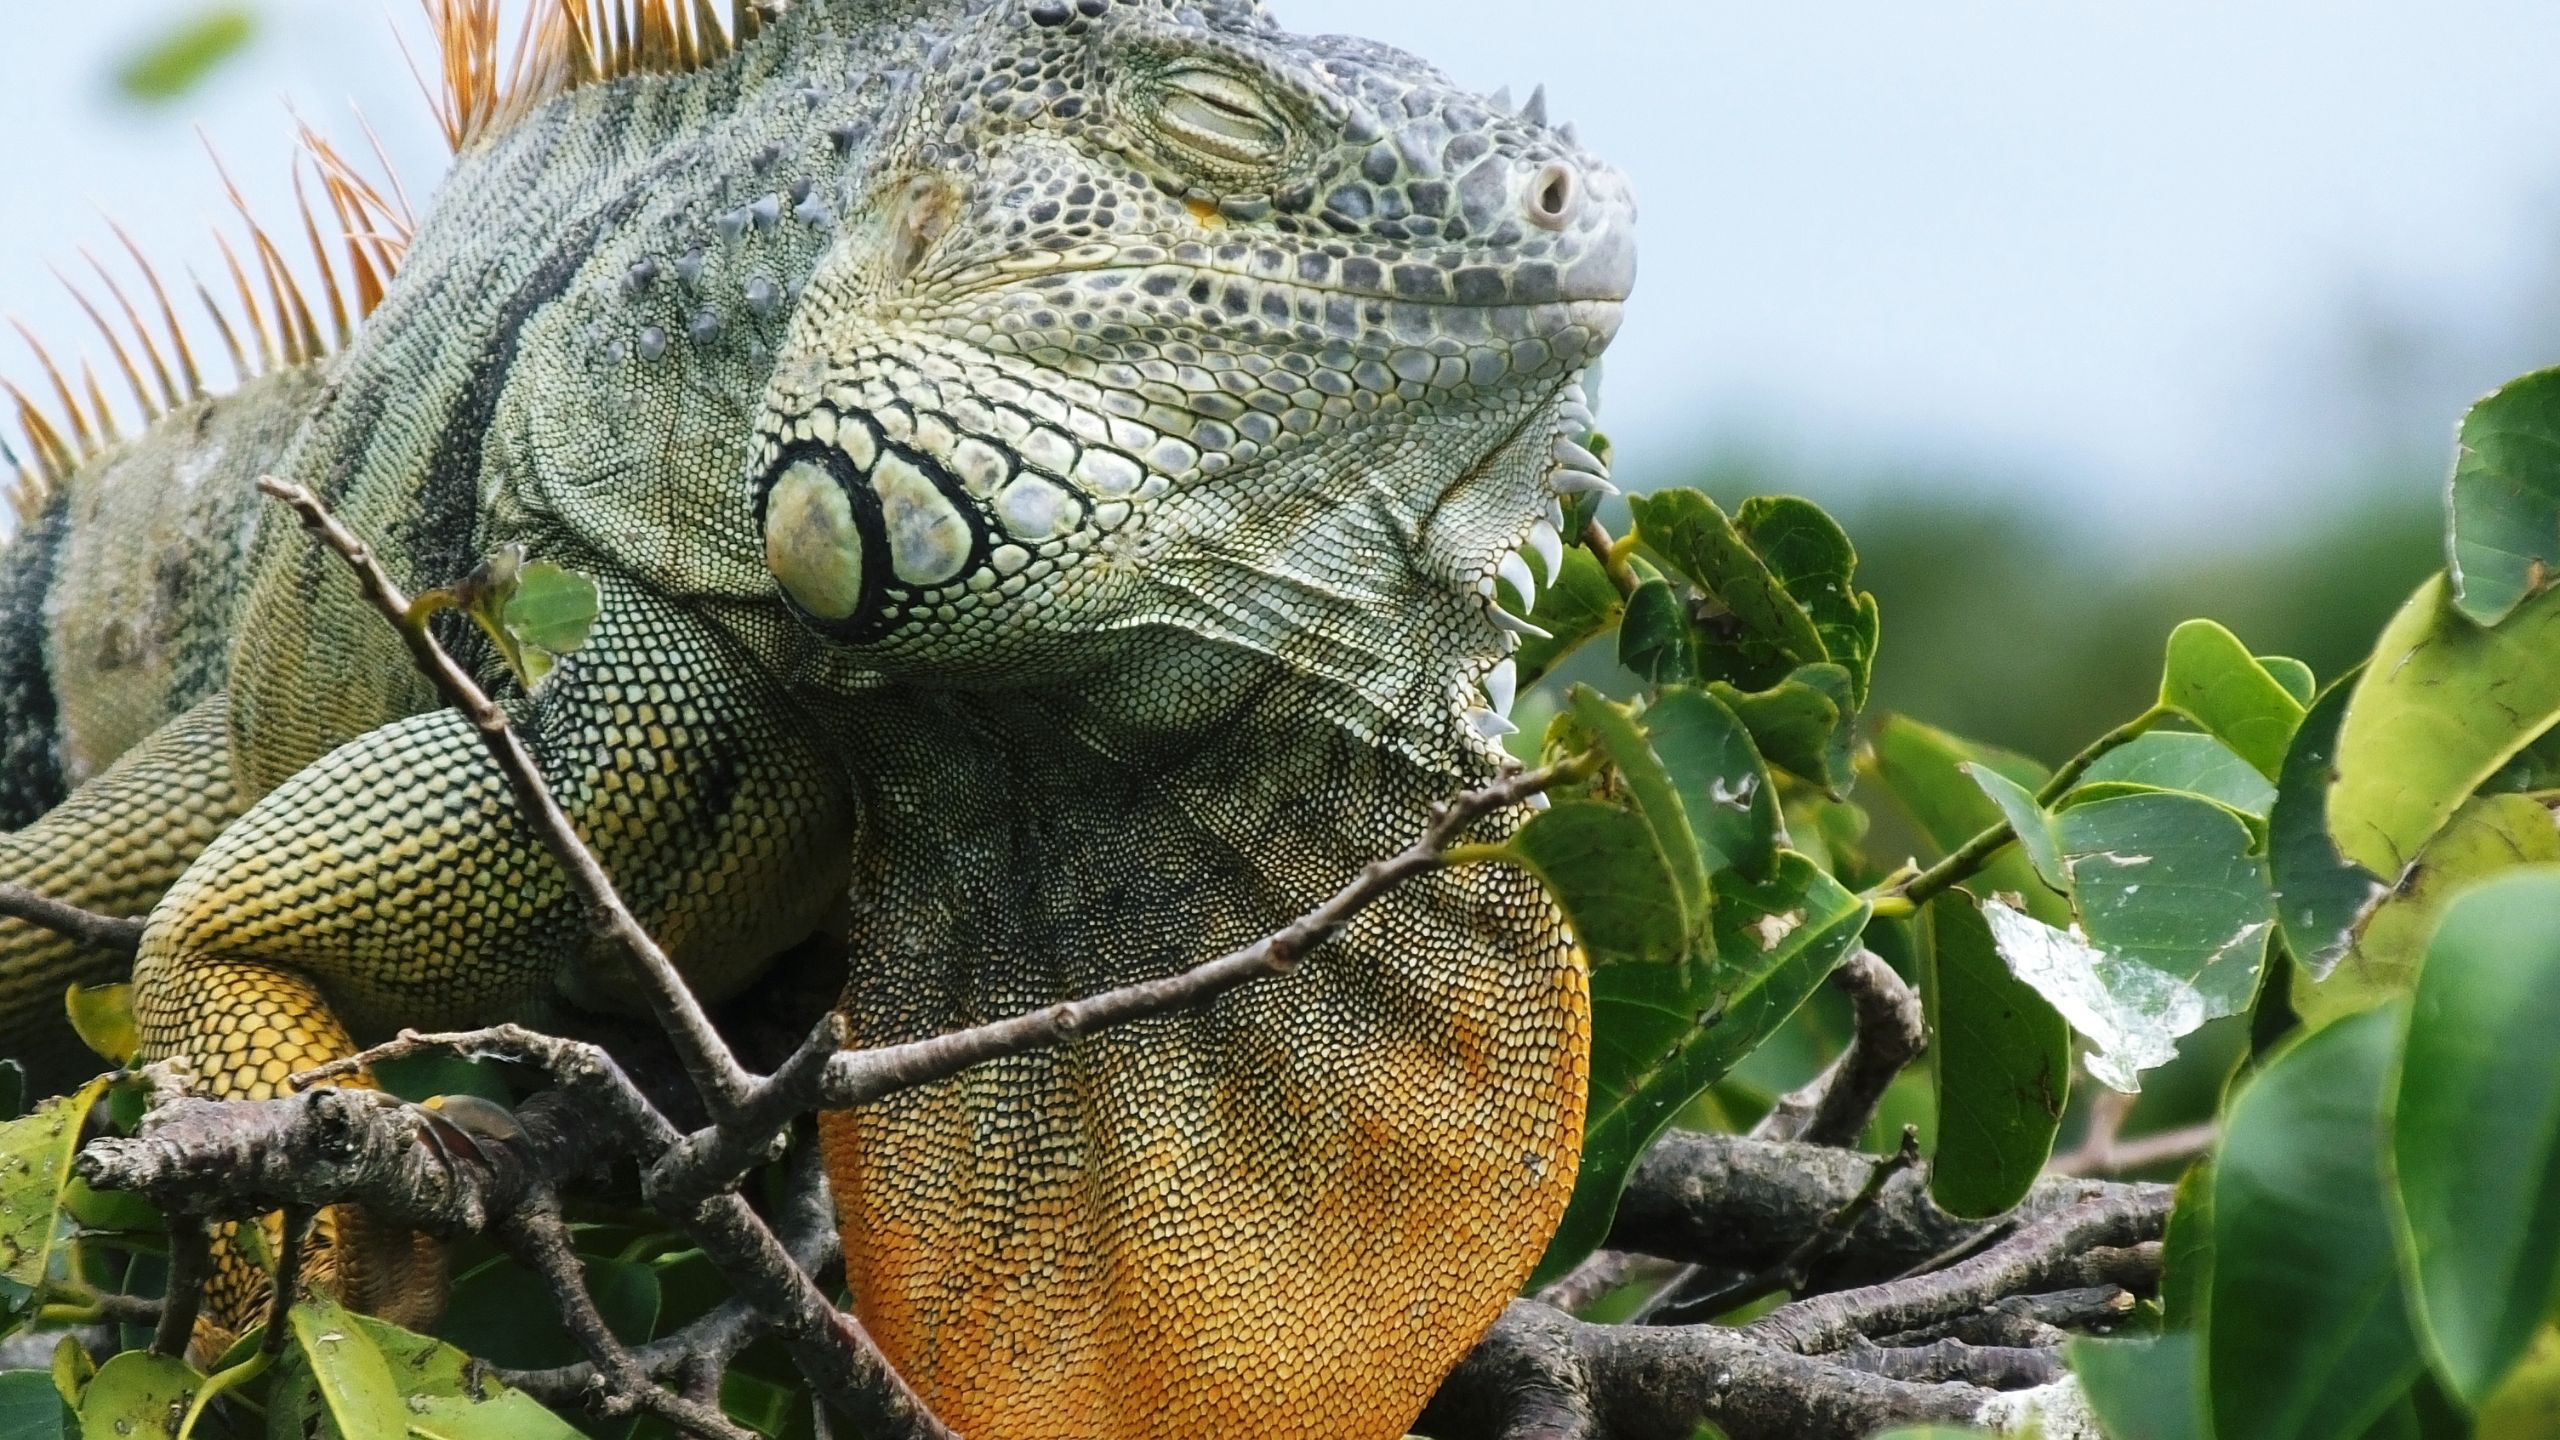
(1220,118)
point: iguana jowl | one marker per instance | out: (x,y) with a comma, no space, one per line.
(1046,466)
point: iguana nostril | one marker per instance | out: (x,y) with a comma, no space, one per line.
(1553,196)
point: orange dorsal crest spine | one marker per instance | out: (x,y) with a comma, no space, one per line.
(478,91)
(148,345)
(481,84)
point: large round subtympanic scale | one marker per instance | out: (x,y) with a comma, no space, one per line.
(1033,509)
(929,539)
(811,543)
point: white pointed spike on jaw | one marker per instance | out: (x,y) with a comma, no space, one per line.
(1547,543)
(1535,111)
(1500,100)
(1572,455)
(1575,482)
(1490,725)
(1502,686)
(1538,801)
(1515,572)
(1504,620)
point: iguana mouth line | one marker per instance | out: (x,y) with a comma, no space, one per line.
(976,282)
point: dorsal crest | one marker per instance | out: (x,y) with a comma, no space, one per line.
(484,86)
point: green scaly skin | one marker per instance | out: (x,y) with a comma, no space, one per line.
(1046,467)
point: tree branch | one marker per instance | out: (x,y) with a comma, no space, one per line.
(111,933)
(2053,1253)
(1891,1033)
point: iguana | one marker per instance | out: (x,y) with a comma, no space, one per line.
(1046,465)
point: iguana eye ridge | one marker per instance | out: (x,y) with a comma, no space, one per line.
(1220,117)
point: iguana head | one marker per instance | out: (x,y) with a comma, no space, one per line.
(1156,317)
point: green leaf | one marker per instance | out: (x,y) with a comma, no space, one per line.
(450,1396)
(2142,1389)
(1578,603)
(1812,558)
(2174,915)
(1653,639)
(111,1210)
(2307,1329)
(534,613)
(30,1407)
(2168,881)
(2195,764)
(1603,867)
(2503,532)
(1657,802)
(549,616)
(137,1393)
(2320,894)
(186,53)
(2027,821)
(1767,633)
(2441,707)
(2527,1406)
(348,1380)
(2296,678)
(1922,768)
(2491,834)
(1801,724)
(2475,1135)
(1725,790)
(102,1016)
(2186,1252)
(1661,1034)
(2212,679)
(35,1165)
(552,608)
(2002,1058)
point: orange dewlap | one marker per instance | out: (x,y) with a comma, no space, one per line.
(1140,1236)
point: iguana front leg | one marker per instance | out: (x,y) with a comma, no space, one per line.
(114,847)
(394,882)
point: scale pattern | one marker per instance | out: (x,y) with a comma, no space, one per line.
(1047,465)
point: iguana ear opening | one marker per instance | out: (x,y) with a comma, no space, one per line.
(923,214)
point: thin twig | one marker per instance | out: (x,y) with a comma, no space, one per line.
(190,1265)
(2050,1252)
(706,1057)
(288,1278)
(536,1236)
(112,933)
(2118,1157)
(1973,854)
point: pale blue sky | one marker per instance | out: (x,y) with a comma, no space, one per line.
(2147,249)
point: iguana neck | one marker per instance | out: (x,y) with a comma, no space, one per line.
(1188,798)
